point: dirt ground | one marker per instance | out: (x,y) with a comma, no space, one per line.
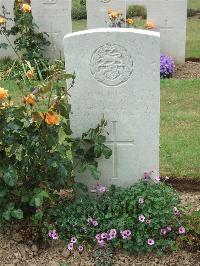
(16,251)
(189,70)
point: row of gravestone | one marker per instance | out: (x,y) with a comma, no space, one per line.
(54,17)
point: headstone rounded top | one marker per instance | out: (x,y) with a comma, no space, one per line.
(105,1)
(111,64)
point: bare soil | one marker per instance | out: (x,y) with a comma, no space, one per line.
(189,70)
(16,251)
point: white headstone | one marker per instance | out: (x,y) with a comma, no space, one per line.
(53,17)
(9,4)
(97,12)
(117,75)
(170,17)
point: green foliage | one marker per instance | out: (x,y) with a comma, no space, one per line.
(136,11)
(29,43)
(192,240)
(36,150)
(120,209)
(103,257)
(79,10)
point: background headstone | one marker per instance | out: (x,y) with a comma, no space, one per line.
(9,4)
(53,17)
(117,75)
(97,12)
(170,17)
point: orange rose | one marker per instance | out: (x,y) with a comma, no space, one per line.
(114,15)
(51,118)
(30,73)
(30,99)
(150,25)
(3,93)
(130,21)
(2,20)
(26,8)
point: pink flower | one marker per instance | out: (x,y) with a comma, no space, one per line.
(104,235)
(141,218)
(169,228)
(181,230)
(176,211)
(157,178)
(101,243)
(73,240)
(98,237)
(141,200)
(80,248)
(95,223)
(148,221)
(163,231)
(146,175)
(150,242)
(126,234)
(102,189)
(112,234)
(89,220)
(53,234)
(70,246)
(98,188)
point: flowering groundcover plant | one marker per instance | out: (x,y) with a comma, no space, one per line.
(166,66)
(142,218)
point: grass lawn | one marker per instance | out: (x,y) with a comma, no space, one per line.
(180,126)
(194,4)
(193,38)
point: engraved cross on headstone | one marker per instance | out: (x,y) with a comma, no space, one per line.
(116,143)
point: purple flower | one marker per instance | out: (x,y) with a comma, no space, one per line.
(73,240)
(157,179)
(141,200)
(169,228)
(148,221)
(80,248)
(150,242)
(176,211)
(70,246)
(98,188)
(102,189)
(181,230)
(163,231)
(141,218)
(95,223)
(166,66)
(112,234)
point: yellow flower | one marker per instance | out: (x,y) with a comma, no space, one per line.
(2,20)
(26,8)
(30,73)
(150,25)
(3,93)
(130,21)
(51,118)
(30,99)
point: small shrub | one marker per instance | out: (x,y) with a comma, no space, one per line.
(166,66)
(79,12)
(193,12)
(142,218)
(136,11)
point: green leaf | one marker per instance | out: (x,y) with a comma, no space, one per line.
(107,152)
(10,177)
(6,215)
(37,201)
(17,213)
